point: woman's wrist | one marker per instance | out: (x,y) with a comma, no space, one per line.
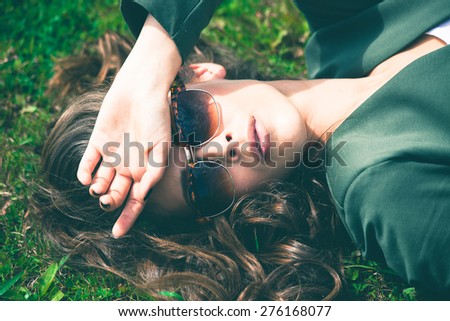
(155,41)
(153,62)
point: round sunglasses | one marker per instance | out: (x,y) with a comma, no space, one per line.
(196,118)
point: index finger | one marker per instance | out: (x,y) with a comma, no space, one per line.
(87,165)
(136,201)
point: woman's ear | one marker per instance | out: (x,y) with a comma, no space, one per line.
(207,71)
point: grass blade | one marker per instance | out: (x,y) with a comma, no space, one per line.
(174,295)
(47,278)
(5,287)
(57,296)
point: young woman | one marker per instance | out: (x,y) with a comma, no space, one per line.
(386,165)
(280,242)
(349,39)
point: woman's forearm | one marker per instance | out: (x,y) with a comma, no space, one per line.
(154,60)
(136,107)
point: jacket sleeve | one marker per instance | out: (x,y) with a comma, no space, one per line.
(349,41)
(183,20)
(400,211)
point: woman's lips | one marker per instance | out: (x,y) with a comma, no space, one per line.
(264,139)
(259,138)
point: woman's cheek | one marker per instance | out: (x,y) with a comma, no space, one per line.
(247,179)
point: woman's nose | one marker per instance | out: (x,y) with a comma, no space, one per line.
(222,148)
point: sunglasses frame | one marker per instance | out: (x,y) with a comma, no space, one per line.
(176,88)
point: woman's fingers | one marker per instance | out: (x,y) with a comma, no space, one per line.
(129,181)
(140,191)
(102,180)
(88,162)
(133,208)
(117,193)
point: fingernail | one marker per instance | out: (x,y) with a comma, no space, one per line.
(148,194)
(116,231)
(104,206)
(84,178)
(95,193)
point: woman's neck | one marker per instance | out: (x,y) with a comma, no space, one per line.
(325,103)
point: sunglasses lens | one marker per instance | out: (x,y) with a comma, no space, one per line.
(198,117)
(211,189)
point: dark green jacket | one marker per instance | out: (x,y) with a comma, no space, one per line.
(393,192)
(391,185)
(182,19)
(349,37)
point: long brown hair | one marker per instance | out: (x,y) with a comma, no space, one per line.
(279,243)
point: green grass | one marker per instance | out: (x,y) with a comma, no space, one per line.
(32,35)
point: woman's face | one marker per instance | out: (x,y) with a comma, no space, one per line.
(250,111)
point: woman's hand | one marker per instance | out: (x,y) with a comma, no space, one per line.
(133,127)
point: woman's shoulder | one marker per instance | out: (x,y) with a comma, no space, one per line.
(405,119)
(391,181)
